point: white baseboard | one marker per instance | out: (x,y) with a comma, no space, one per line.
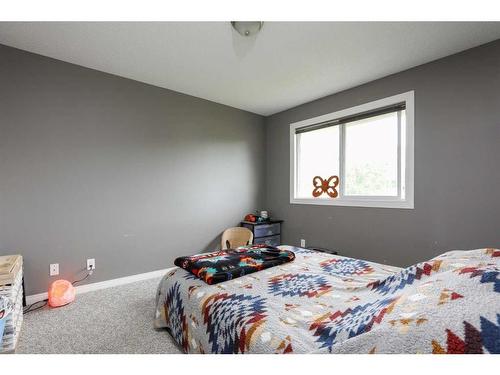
(80,289)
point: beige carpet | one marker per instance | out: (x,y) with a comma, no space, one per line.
(114,320)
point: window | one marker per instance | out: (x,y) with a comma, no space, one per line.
(369,147)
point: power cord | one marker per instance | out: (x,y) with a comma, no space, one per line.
(29,308)
(91,271)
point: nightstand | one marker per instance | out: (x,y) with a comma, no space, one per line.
(267,232)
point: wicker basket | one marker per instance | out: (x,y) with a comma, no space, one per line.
(11,276)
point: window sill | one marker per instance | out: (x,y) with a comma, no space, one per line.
(379,203)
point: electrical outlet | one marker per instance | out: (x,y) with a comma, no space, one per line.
(54,269)
(90,264)
(302,242)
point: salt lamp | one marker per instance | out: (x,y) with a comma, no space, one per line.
(61,292)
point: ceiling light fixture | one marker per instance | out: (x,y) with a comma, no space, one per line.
(247,28)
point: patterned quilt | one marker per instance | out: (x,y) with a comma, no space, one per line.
(321,303)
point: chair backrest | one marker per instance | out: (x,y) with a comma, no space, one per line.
(237,236)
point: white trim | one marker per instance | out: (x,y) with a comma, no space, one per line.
(80,289)
(353,202)
(342,159)
(382,202)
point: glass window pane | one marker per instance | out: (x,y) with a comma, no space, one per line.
(371,156)
(402,152)
(317,155)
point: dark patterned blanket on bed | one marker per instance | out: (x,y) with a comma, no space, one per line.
(229,264)
(322,303)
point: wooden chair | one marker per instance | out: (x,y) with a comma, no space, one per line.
(237,236)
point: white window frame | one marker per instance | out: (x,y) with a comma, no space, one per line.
(361,201)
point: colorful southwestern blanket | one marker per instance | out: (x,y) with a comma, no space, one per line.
(229,264)
(322,303)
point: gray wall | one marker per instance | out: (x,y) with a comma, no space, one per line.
(97,166)
(457,166)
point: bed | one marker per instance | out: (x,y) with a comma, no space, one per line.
(323,303)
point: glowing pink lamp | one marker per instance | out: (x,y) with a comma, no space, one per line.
(61,292)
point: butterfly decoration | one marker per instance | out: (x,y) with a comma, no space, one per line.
(328,186)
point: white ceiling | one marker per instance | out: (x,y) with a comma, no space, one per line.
(286,64)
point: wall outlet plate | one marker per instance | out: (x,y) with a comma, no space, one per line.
(302,242)
(90,264)
(54,269)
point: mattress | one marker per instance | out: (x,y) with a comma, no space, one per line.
(323,303)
